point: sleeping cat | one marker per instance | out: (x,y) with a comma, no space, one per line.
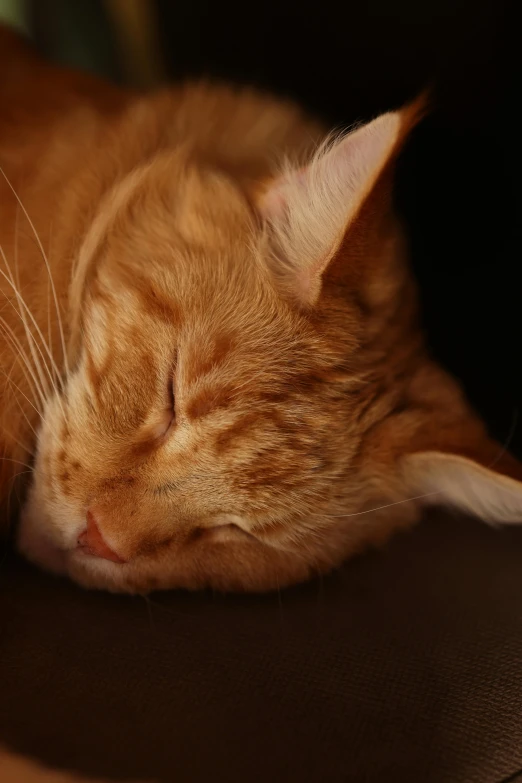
(212,369)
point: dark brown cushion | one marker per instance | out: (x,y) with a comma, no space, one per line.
(406,665)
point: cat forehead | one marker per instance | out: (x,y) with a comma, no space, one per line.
(176,200)
(219,323)
(192,256)
(221,353)
(237,307)
(216,365)
(166,217)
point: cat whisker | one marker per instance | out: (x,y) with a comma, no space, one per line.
(20,406)
(502,451)
(27,369)
(14,487)
(148,604)
(48,267)
(386,505)
(17,279)
(20,355)
(22,312)
(8,301)
(303,553)
(49,329)
(21,291)
(24,446)
(28,449)
(507,442)
(23,309)
(24,414)
(17,462)
(29,335)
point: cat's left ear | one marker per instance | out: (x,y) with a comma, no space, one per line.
(491,490)
(309,210)
(449,459)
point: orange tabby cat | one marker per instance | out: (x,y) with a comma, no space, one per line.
(214,358)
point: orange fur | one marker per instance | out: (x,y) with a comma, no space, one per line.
(227,372)
(188,278)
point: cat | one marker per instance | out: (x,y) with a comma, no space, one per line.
(212,366)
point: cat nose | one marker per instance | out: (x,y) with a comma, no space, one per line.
(91,541)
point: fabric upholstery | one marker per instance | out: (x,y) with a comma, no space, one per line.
(406,665)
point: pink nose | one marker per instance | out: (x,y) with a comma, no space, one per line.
(92,542)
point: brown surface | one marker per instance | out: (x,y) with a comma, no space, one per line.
(405,666)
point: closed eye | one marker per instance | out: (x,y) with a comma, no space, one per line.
(172,386)
(169,418)
(221,533)
(171,397)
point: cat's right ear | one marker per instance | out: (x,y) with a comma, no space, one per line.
(308,211)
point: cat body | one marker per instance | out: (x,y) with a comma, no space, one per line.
(211,367)
(224,381)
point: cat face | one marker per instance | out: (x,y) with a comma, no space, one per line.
(194,422)
(244,394)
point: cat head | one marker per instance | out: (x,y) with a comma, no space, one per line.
(250,400)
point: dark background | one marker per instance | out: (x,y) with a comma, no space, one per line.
(458,183)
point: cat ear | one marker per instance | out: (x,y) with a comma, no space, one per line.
(309,210)
(444,453)
(489,490)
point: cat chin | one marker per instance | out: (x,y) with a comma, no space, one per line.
(239,565)
(142,578)
(96,574)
